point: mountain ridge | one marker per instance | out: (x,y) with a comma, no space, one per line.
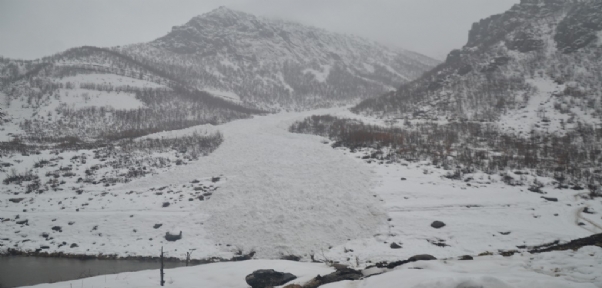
(285,64)
(539,50)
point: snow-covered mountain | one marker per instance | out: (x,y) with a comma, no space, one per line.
(220,66)
(537,66)
(273,64)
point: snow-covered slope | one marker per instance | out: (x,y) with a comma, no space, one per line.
(98,94)
(275,64)
(541,58)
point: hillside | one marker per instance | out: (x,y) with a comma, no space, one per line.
(535,67)
(96,93)
(274,64)
(220,66)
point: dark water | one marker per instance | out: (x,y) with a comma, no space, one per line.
(18,271)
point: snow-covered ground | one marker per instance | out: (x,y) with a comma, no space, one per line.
(570,269)
(227,95)
(110,80)
(277,194)
(540,114)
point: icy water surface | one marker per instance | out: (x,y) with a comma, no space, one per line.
(17,271)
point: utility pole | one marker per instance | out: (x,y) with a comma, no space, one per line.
(161,271)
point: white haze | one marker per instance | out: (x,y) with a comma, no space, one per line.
(34,28)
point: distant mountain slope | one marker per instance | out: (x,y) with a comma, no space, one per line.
(537,66)
(95,93)
(273,64)
(220,66)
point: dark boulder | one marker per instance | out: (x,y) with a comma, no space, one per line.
(395,246)
(550,199)
(422,257)
(437,224)
(465,257)
(156,226)
(173,237)
(268,278)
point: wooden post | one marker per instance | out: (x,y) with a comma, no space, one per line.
(188,256)
(161,271)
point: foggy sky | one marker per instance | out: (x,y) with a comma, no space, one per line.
(34,28)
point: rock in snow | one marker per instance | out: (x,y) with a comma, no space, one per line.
(422,257)
(268,278)
(437,224)
(173,237)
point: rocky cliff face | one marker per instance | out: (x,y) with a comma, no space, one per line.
(542,57)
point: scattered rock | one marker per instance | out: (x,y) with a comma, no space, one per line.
(465,257)
(291,258)
(437,224)
(22,222)
(505,233)
(340,275)
(550,198)
(73,245)
(165,204)
(57,228)
(215,179)
(268,278)
(16,200)
(594,240)
(202,198)
(403,179)
(156,226)
(508,253)
(395,246)
(338,266)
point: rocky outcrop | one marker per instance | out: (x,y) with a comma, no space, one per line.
(268,278)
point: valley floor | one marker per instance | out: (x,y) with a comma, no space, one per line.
(277,193)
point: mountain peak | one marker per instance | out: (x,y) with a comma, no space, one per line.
(223,12)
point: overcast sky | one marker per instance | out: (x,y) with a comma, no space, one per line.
(34,28)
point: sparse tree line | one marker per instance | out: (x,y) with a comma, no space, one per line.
(176,107)
(257,82)
(471,146)
(163,111)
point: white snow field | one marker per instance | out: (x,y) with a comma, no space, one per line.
(280,194)
(560,269)
(287,194)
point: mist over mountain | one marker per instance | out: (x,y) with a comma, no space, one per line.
(541,57)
